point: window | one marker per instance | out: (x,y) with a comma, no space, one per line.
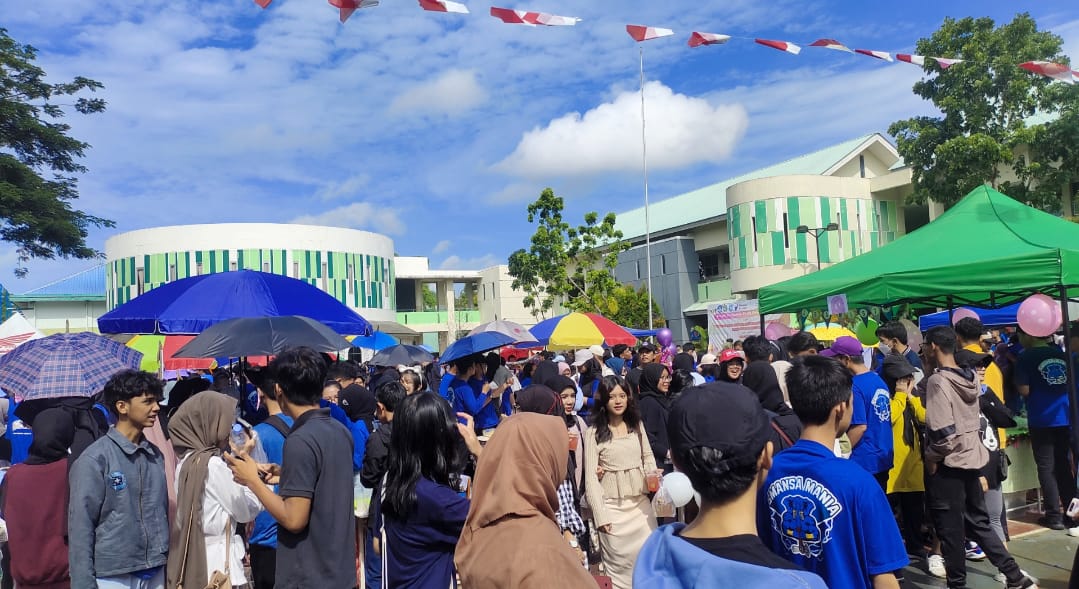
(663,264)
(172,272)
(484,285)
(198,268)
(295,269)
(139,280)
(266,267)
(637,267)
(709,263)
(232,266)
(754,231)
(325,277)
(786,233)
(861,165)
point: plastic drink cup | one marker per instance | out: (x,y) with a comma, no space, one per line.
(652,480)
(573,441)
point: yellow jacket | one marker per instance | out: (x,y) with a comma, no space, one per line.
(907,474)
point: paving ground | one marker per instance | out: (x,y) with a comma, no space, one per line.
(1046,554)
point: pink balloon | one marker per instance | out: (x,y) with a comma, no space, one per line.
(963,313)
(774,331)
(1039,315)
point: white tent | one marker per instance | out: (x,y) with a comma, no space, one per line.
(16,330)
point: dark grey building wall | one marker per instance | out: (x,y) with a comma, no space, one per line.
(674,278)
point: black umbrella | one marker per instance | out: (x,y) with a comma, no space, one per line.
(262,336)
(401,354)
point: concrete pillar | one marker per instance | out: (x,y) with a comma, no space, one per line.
(419,294)
(448,302)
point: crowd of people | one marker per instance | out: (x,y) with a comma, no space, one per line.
(810,467)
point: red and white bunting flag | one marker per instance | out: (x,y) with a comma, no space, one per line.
(780,45)
(912,59)
(831,44)
(11,342)
(263,3)
(642,33)
(1056,71)
(347,7)
(521,17)
(697,39)
(946,62)
(443,6)
(877,54)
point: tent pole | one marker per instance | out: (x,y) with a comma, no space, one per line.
(762,322)
(951,311)
(1063,293)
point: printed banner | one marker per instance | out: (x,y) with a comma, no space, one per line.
(735,321)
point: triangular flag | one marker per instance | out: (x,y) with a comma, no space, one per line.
(443,6)
(642,33)
(913,59)
(877,54)
(946,62)
(263,3)
(521,17)
(780,45)
(831,44)
(1056,71)
(347,7)
(697,39)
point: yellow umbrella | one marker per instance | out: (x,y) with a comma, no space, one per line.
(831,333)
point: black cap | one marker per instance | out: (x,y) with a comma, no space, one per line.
(646,348)
(723,416)
(897,367)
(969,359)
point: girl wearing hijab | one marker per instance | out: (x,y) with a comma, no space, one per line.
(567,391)
(33,501)
(422,508)
(616,449)
(515,501)
(541,399)
(655,404)
(209,502)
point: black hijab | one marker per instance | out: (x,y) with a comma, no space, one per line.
(683,361)
(544,373)
(54,433)
(650,375)
(761,378)
(358,403)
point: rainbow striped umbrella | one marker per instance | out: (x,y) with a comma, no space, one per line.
(580,330)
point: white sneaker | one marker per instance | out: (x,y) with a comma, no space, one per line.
(1000,577)
(936,566)
(1074,532)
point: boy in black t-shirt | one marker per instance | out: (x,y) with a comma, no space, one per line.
(316,535)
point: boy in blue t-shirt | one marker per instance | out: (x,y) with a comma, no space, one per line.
(821,512)
(870,430)
(1041,376)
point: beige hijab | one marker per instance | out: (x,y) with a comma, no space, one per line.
(198,426)
(511,538)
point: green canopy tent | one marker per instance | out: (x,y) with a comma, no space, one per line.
(988,250)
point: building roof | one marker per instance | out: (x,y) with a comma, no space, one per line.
(87,285)
(710,202)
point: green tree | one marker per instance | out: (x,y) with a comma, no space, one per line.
(986,103)
(39,161)
(566,266)
(628,307)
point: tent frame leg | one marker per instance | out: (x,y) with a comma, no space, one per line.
(1062,293)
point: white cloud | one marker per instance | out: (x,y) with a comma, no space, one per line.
(682,130)
(453,92)
(358,215)
(477,263)
(345,188)
(441,247)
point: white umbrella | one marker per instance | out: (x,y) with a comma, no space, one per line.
(518,332)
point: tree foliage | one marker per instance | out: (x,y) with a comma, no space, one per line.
(566,266)
(986,103)
(628,307)
(39,160)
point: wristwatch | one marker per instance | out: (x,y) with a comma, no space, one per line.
(573,543)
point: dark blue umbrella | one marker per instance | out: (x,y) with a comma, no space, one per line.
(401,354)
(262,336)
(475,344)
(191,305)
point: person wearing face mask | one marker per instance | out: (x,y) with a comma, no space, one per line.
(893,340)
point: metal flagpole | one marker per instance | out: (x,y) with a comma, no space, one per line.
(647,228)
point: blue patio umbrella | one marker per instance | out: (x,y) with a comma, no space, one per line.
(376,341)
(476,344)
(190,305)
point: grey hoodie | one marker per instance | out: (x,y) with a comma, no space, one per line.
(952,418)
(117,511)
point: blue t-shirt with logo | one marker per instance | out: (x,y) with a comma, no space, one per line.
(872,405)
(829,516)
(273,443)
(1045,370)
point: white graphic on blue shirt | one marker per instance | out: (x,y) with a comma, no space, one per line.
(1054,371)
(882,405)
(803,511)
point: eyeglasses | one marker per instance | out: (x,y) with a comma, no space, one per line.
(665,378)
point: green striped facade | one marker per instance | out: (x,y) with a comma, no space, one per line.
(360,281)
(762,233)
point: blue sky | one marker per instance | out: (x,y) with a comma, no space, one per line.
(438,129)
